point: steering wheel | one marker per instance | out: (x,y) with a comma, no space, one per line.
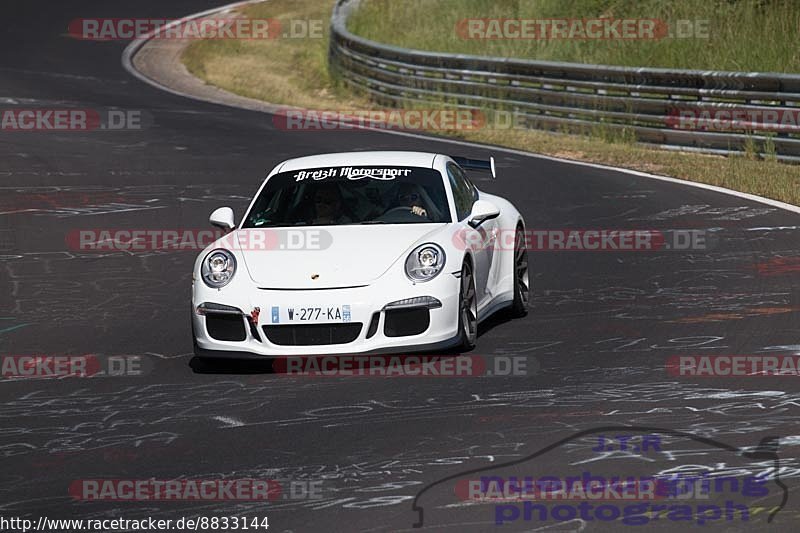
(396,209)
(407,211)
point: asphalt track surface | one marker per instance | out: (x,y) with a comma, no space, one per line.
(600,329)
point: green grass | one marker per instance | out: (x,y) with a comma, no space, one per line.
(281,71)
(295,73)
(746,35)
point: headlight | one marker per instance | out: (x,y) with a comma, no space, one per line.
(425,262)
(218,268)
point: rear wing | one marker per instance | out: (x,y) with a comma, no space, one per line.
(476,164)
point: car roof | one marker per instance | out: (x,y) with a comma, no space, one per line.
(340,159)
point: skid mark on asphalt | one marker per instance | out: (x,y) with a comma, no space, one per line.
(77,201)
(138,414)
(736,213)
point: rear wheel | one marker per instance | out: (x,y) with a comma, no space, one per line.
(521,277)
(467,309)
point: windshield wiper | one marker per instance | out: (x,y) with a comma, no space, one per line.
(373,222)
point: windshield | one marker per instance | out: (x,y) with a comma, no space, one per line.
(332,196)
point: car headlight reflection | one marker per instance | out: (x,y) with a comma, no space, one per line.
(425,262)
(218,268)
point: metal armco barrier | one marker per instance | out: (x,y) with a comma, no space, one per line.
(709,111)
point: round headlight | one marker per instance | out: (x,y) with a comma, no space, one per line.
(425,262)
(218,268)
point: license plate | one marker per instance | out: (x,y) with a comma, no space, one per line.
(335,313)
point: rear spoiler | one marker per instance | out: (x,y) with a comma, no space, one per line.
(476,164)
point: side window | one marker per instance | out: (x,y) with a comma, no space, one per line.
(464,193)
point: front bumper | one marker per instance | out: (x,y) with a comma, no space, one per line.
(240,332)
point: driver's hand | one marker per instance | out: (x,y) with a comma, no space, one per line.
(419,211)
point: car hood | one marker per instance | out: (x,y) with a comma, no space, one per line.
(332,257)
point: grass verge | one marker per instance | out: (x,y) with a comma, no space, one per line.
(740,35)
(294,72)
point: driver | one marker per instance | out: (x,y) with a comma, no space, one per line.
(328,205)
(408,195)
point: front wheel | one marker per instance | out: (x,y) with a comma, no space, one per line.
(521,277)
(467,309)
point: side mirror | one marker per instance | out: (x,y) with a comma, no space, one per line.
(481,212)
(223,218)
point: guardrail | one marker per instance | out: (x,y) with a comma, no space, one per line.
(668,107)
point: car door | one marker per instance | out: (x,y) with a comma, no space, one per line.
(465,195)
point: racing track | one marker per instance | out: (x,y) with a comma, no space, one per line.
(601,325)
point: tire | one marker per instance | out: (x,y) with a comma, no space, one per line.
(467,309)
(522,287)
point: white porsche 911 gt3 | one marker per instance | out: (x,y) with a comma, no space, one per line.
(363,252)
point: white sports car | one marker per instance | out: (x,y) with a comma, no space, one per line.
(363,252)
